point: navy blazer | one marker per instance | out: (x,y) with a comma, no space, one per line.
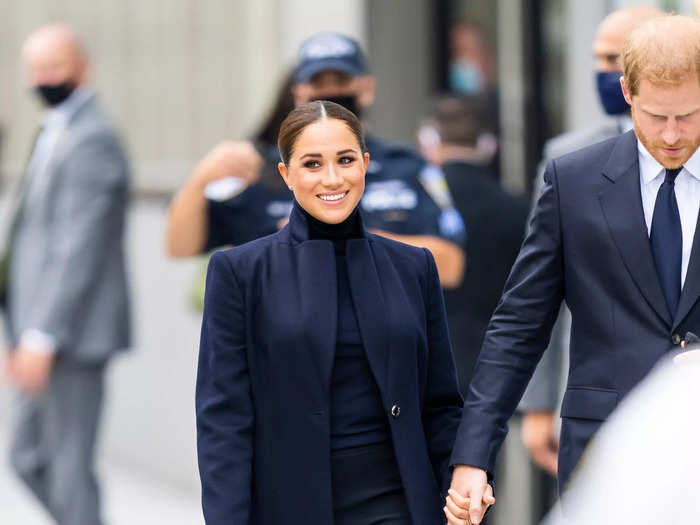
(589,246)
(265,363)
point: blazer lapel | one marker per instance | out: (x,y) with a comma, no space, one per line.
(691,287)
(622,207)
(370,308)
(318,293)
(318,301)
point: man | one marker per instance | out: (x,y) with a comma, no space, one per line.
(495,222)
(404,198)
(66,303)
(614,234)
(543,394)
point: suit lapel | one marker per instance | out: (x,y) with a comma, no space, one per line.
(622,207)
(691,287)
(318,301)
(370,308)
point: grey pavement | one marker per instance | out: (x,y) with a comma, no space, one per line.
(129,498)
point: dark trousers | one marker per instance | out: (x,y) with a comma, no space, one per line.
(367,487)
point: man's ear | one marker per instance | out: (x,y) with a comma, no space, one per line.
(625,91)
(365,95)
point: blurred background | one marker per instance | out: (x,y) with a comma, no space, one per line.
(178,76)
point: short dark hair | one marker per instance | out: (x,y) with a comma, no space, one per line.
(459,119)
(301,117)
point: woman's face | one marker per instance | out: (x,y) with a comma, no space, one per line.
(326,170)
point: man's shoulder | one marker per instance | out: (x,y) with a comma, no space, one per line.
(588,157)
(92,122)
(575,140)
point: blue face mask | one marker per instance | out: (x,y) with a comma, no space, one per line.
(465,79)
(610,92)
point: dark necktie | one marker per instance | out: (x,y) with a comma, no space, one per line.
(667,240)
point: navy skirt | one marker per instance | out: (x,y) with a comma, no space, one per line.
(367,487)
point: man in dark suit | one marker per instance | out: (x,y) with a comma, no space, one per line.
(614,235)
(494,220)
(64,276)
(543,394)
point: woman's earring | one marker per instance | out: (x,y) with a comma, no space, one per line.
(290,188)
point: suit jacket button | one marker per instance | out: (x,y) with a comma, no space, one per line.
(676,339)
(395,411)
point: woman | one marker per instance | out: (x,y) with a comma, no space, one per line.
(326,390)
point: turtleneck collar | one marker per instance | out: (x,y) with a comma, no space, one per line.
(350,228)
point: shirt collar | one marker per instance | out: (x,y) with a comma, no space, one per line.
(63,112)
(650,168)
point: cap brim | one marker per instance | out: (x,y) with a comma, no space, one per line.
(306,71)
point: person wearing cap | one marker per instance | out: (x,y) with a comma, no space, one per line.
(405,198)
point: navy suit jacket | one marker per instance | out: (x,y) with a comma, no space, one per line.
(588,246)
(265,364)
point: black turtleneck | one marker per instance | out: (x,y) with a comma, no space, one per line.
(350,228)
(357,415)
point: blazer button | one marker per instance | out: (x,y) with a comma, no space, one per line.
(676,339)
(395,411)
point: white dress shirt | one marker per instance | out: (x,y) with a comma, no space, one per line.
(55,125)
(687,189)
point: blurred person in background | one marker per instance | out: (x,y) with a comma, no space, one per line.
(233,188)
(643,467)
(614,235)
(544,392)
(494,220)
(472,71)
(405,199)
(326,389)
(64,280)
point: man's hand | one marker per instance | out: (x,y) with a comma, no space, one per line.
(31,370)
(540,440)
(230,159)
(469,492)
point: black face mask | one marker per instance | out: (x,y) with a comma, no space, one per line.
(53,94)
(349,102)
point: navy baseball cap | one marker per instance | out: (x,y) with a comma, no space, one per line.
(329,52)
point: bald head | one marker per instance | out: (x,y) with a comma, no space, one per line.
(612,32)
(53,55)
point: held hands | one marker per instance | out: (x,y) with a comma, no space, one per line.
(539,438)
(230,159)
(469,496)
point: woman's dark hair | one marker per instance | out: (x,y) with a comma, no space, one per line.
(302,116)
(284,103)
